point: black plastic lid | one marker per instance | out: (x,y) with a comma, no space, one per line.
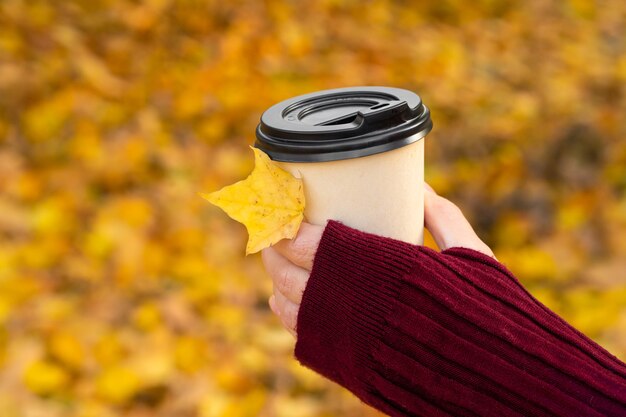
(342,123)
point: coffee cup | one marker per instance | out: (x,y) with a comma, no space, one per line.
(360,153)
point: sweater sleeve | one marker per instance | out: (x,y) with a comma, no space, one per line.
(415,332)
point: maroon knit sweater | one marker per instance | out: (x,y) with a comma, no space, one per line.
(414,332)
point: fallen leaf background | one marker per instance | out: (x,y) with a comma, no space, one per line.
(123,293)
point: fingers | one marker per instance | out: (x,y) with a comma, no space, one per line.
(289,263)
(285,310)
(288,278)
(301,249)
(447,224)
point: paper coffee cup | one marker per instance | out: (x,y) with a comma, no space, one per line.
(360,153)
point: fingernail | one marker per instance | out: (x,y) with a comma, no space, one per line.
(429,188)
(272,303)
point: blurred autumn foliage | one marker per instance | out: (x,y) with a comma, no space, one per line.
(124,293)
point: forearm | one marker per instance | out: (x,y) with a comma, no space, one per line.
(416,332)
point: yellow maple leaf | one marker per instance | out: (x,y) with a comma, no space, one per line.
(270,203)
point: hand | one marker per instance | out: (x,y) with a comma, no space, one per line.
(289,262)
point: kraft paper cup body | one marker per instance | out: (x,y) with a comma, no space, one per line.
(381,194)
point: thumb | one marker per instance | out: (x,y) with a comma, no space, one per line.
(447,224)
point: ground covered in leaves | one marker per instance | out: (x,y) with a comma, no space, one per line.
(123,293)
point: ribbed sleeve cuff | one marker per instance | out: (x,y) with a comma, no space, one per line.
(413,331)
(347,301)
